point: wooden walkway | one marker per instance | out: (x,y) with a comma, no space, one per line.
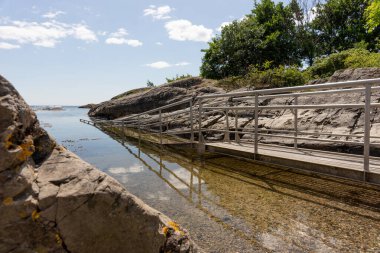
(336,164)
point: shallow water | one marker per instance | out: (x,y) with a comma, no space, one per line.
(231,205)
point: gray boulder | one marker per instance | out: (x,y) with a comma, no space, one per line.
(146,99)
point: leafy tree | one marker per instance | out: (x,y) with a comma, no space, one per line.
(233,51)
(342,23)
(267,34)
(373,15)
(305,36)
(149,84)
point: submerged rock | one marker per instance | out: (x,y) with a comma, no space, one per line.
(52,201)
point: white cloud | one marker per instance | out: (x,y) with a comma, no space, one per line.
(121,32)
(182,64)
(115,41)
(122,41)
(118,38)
(82,32)
(53,14)
(159,65)
(46,43)
(159,43)
(183,30)
(4,45)
(161,12)
(164,64)
(135,168)
(46,34)
(219,29)
(134,43)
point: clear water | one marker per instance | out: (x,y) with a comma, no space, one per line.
(231,205)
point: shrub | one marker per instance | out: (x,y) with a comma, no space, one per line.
(274,78)
(268,78)
(177,77)
(232,83)
(352,58)
(149,84)
(362,58)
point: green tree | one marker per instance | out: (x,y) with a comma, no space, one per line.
(373,15)
(267,34)
(233,51)
(305,36)
(149,84)
(342,23)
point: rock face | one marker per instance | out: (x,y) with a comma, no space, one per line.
(355,74)
(52,201)
(88,106)
(147,99)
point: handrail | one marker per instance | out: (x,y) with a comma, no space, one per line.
(199,107)
(344,84)
(276,107)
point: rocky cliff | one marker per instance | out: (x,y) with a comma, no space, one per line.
(52,201)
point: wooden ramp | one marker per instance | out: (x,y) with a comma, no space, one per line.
(336,164)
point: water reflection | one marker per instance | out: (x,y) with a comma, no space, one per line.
(231,205)
(235,205)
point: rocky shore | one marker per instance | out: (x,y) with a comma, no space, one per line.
(326,121)
(88,106)
(52,201)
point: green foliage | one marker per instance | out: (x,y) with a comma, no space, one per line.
(362,58)
(267,34)
(289,34)
(305,35)
(265,78)
(232,83)
(149,84)
(275,78)
(342,23)
(177,77)
(373,15)
(352,58)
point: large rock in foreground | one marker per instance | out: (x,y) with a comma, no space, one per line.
(52,201)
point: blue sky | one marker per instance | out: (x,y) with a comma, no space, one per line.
(74,52)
